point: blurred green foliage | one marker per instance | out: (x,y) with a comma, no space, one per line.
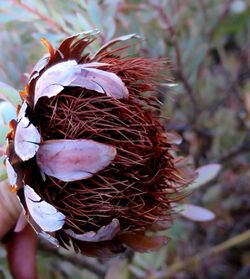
(208,42)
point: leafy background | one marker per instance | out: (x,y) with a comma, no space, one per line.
(208,42)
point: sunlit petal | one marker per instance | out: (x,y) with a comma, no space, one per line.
(39,67)
(102,82)
(12,175)
(69,73)
(22,111)
(44,214)
(27,139)
(55,78)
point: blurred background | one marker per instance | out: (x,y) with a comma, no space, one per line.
(208,43)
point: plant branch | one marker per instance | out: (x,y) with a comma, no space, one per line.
(241,148)
(234,241)
(220,19)
(52,23)
(182,76)
(209,35)
(76,259)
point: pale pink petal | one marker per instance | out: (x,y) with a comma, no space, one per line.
(70,160)
(114,41)
(12,175)
(173,138)
(102,82)
(92,65)
(22,111)
(43,175)
(104,233)
(27,139)
(49,238)
(40,65)
(46,216)
(168,84)
(196,213)
(53,80)
(69,73)
(204,175)
(21,222)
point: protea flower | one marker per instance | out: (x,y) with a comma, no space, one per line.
(88,156)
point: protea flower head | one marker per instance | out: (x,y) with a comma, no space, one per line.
(88,156)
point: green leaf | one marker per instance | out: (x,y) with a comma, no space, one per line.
(3,174)
(95,13)
(118,269)
(3,132)
(176,231)
(9,94)
(234,23)
(151,261)
(7,112)
(83,20)
(110,27)
(6,18)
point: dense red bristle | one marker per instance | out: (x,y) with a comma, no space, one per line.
(133,187)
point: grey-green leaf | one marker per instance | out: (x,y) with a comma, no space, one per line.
(9,94)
